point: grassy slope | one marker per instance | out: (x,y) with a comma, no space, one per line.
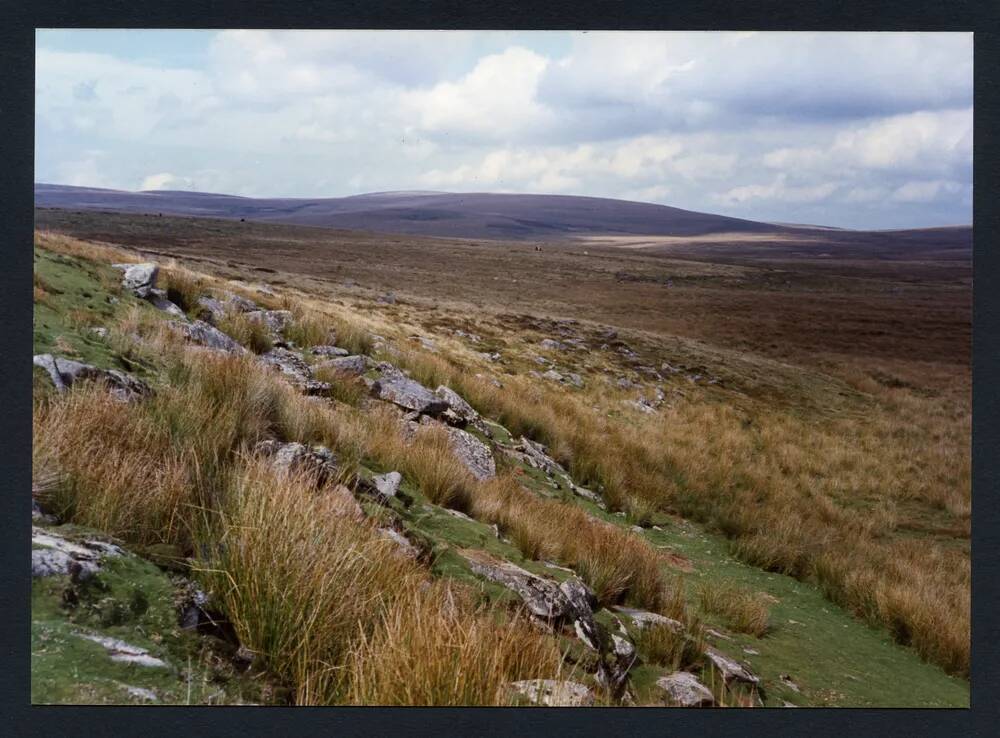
(834,659)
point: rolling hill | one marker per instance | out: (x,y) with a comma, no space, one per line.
(459,215)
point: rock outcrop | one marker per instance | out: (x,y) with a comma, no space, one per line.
(395,387)
(66,372)
(554,693)
(295,370)
(204,334)
(53,554)
(684,690)
(473,453)
(139,279)
(297,457)
(730,669)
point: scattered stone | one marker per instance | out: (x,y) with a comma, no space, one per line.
(395,387)
(553,375)
(275,320)
(294,368)
(457,514)
(204,334)
(542,597)
(139,279)
(39,516)
(574,379)
(787,681)
(643,619)
(297,457)
(210,309)
(624,383)
(329,351)
(684,690)
(65,372)
(100,331)
(551,345)
(473,453)
(554,693)
(387,484)
(53,554)
(350,365)
(406,548)
(124,652)
(158,299)
(345,505)
(536,455)
(388,298)
(427,343)
(751,652)
(730,669)
(141,693)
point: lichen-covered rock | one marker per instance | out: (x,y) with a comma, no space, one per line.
(473,453)
(730,669)
(329,351)
(203,334)
(644,619)
(536,456)
(275,320)
(349,365)
(684,690)
(542,597)
(294,368)
(554,693)
(297,457)
(65,372)
(158,299)
(387,484)
(139,279)
(395,387)
(124,652)
(53,554)
(403,544)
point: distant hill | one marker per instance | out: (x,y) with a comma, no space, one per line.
(461,215)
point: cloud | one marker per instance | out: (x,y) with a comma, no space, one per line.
(752,124)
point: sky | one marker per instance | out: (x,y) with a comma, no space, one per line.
(856,130)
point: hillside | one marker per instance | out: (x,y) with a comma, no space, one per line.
(534,497)
(467,215)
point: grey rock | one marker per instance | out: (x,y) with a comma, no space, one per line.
(275,320)
(551,345)
(684,690)
(141,693)
(388,484)
(644,619)
(158,299)
(294,368)
(473,453)
(406,548)
(204,334)
(553,375)
(729,668)
(329,351)
(395,387)
(574,379)
(296,457)
(554,693)
(53,554)
(139,279)
(352,365)
(542,597)
(123,652)
(65,372)
(536,455)
(211,309)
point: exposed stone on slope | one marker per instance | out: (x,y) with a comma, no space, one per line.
(158,299)
(350,365)
(554,693)
(204,334)
(535,455)
(395,387)
(56,554)
(275,320)
(297,457)
(406,548)
(729,668)
(139,279)
(329,351)
(643,618)
(294,368)
(473,453)
(542,597)
(684,690)
(65,372)
(124,652)
(551,345)
(387,484)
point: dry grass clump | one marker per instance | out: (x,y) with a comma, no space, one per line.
(344,387)
(618,566)
(254,334)
(352,336)
(299,582)
(423,653)
(90,250)
(669,647)
(120,471)
(308,329)
(741,609)
(183,287)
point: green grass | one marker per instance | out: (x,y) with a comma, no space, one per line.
(132,600)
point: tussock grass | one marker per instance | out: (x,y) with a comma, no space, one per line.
(254,334)
(344,387)
(183,287)
(670,648)
(463,655)
(308,329)
(741,609)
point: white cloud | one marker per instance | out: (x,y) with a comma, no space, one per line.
(165,181)
(925,191)
(778,189)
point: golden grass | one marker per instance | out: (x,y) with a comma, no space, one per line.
(308,329)
(424,654)
(252,333)
(183,287)
(741,609)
